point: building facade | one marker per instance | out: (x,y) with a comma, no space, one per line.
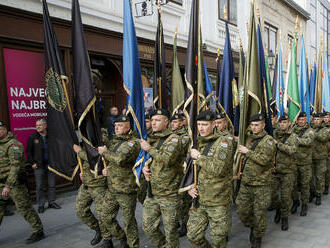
(21,47)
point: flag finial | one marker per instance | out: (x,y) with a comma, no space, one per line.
(225,16)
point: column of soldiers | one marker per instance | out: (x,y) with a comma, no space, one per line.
(282,172)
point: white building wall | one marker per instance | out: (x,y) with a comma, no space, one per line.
(108,14)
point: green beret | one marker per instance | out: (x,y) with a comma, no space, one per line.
(122,118)
(206,115)
(284,117)
(175,117)
(160,112)
(220,116)
(257,117)
(302,114)
(148,116)
(317,115)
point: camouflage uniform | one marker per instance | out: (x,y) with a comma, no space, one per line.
(303,156)
(94,189)
(283,175)
(319,156)
(166,173)
(185,199)
(12,163)
(327,175)
(274,196)
(255,193)
(215,193)
(120,159)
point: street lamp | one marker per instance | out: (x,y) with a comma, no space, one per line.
(271,59)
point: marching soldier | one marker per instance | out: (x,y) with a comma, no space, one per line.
(166,151)
(120,158)
(320,155)
(255,193)
(326,120)
(185,200)
(94,190)
(303,157)
(12,164)
(214,158)
(283,175)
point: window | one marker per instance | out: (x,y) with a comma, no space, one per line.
(231,6)
(270,38)
(176,1)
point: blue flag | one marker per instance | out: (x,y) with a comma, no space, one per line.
(303,82)
(279,84)
(133,83)
(265,103)
(227,77)
(312,85)
(325,85)
(207,82)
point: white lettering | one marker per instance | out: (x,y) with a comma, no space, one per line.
(14,104)
(13,91)
(21,92)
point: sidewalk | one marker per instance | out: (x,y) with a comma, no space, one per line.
(64,230)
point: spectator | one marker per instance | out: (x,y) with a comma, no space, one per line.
(110,125)
(37,154)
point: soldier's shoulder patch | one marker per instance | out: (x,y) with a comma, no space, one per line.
(210,154)
(175,140)
(130,143)
(230,137)
(125,150)
(170,148)
(270,142)
(16,147)
(224,144)
(222,155)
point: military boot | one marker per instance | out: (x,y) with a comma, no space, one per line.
(318,200)
(304,209)
(258,243)
(183,230)
(277,217)
(35,237)
(285,224)
(97,237)
(106,244)
(326,190)
(294,207)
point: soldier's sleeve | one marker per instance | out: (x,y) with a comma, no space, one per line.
(322,135)
(15,153)
(265,155)
(125,156)
(170,154)
(220,164)
(307,139)
(83,155)
(290,148)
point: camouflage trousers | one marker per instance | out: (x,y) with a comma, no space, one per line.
(252,203)
(219,220)
(127,204)
(274,195)
(327,174)
(317,182)
(282,186)
(185,203)
(142,191)
(20,196)
(99,196)
(165,207)
(302,183)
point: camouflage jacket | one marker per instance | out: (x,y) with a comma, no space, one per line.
(321,136)
(216,169)
(89,178)
(328,143)
(260,162)
(285,162)
(12,161)
(185,140)
(120,159)
(305,139)
(230,136)
(166,171)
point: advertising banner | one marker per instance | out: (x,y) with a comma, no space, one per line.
(26,91)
